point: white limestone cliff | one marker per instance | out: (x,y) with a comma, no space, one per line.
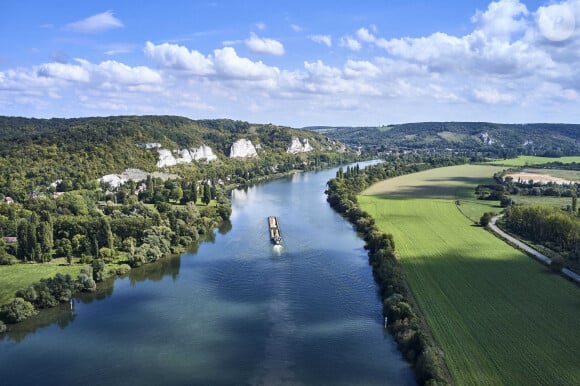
(243,148)
(167,158)
(296,146)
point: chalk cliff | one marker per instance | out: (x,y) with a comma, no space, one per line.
(243,148)
(297,146)
(167,157)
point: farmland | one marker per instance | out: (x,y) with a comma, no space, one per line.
(534,160)
(499,316)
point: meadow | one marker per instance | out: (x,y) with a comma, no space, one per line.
(20,276)
(499,316)
(534,160)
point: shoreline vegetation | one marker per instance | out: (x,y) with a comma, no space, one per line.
(474,291)
(403,317)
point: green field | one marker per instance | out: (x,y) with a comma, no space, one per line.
(499,316)
(19,276)
(533,160)
(449,182)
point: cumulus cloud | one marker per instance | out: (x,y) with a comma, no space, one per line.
(322,39)
(350,43)
(502,18)
(179,58)
(264,45)
(513,60)
(97,23)
(228,63)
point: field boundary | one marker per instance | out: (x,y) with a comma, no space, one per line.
(527,249)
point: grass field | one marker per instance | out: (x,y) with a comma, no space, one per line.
(500,317)
(452,182)
(533,160)
(19,276)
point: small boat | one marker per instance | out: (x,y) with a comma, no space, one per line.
(274,230)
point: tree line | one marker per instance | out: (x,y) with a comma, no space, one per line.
(404,321)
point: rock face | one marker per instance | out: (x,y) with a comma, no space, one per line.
(137,175)
(243,148)
(296,146)
(486,138)
(167,158)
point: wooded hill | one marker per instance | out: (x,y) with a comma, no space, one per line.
(36,152)
(548,139)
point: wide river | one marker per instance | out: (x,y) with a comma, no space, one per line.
(237,311)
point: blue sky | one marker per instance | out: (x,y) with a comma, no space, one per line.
(295,63)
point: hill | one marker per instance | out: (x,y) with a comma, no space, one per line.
(37,152)
(546,139)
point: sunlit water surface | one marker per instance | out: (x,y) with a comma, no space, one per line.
(236,311)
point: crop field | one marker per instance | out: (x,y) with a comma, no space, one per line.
(499,316)
(451,182)
(533,160)
(572,175)
(20,276)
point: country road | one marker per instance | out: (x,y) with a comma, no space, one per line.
(528,249)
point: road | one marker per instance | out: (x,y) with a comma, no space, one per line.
(528,249)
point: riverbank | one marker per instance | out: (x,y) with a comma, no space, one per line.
(476,292)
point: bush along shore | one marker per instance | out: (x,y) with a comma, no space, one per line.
(403,317)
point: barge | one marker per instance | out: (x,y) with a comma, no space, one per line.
(275,236)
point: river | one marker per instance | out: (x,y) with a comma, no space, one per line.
(237,311)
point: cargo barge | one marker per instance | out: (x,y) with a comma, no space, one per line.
(275,236)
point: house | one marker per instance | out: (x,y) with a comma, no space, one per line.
(9,200)
(10,240)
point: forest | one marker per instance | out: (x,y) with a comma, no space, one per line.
(54,207)
(490,139)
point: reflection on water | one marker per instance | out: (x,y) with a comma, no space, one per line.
(235,310)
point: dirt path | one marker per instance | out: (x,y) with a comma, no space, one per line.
(543,258)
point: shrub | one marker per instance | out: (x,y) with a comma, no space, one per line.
(485,219)
(85,282)
(2,327)
(17,310)
(122,269)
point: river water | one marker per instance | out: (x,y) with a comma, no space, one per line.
(237,311)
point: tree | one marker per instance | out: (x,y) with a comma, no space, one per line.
(17,310)
(206,199)
(485,219)
(574,203)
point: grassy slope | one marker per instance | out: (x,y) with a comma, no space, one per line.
(20,276)
(498,315)
(533,160)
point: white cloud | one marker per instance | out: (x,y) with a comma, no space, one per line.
(322,39)
(296,27)
(179,57)
(227,63)
(361,69)
(96,23)
(502,18)
(264,45)
(69,72)
(261,26)
(492,96)
(350,43)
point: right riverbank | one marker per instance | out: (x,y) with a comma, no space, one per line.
(499,317)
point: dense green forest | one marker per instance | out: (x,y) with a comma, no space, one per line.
(35,153)
(54,207)
(493,139)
